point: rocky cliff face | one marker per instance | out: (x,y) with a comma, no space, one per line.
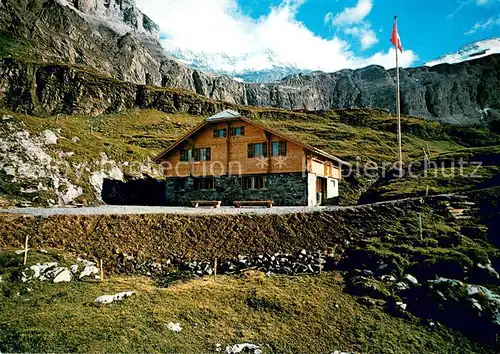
(462,93)
(110,36)
(113,38)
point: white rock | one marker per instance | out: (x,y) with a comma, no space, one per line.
(74,268)
(402,286)
(390,278)
(89,270)
(401,305)
(122,296)
(54,272)
(174,327)
(476,305)
(43,269)
(472,290)
(63,277)
(75,139)
(411,279)
(108,299)
(238,348)
(24,277)
(105,299)
(50,138)
(70,193)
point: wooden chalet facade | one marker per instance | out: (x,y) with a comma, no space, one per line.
(229,158)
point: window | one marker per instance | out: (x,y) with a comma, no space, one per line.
(219,133)
(204,183)
(279,148)
(257,150)
(254,182)
(180,184)
(238,131)
(202,154)
(186,154)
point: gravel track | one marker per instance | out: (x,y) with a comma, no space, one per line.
(137,210)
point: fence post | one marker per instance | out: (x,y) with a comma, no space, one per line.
(102,270)
(25,250)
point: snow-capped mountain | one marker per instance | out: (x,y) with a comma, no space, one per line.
(470,51)
(258,67)
(122,16)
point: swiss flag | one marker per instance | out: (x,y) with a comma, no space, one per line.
(395,36)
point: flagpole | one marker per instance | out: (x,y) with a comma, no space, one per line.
(398,107)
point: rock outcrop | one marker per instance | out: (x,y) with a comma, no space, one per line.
(115,39)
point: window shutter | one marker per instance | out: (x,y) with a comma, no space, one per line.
(209,153)
(250,151)
(264,149)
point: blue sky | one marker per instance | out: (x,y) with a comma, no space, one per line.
(429,27)
(323,34)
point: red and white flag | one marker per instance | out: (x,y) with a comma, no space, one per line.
(395,36)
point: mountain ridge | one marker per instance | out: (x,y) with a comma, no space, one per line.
(49,32)
(469,51)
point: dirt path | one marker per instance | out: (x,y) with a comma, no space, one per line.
(137,210)
(225,210)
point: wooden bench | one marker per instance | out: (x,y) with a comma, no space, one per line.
(213,203)
(266,203)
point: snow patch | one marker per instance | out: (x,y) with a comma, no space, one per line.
(469,52)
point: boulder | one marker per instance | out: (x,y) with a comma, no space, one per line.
(174,327)
(64,276)
(243,348)
(472,309)
(410,279)
(105,299)
(108,299)
(89,270)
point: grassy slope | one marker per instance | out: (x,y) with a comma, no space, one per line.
(439,181)
(367,135)
(284,314)
(446,175)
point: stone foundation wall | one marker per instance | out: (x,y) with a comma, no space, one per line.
(286,189)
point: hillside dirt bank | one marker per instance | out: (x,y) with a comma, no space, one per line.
(162,237)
